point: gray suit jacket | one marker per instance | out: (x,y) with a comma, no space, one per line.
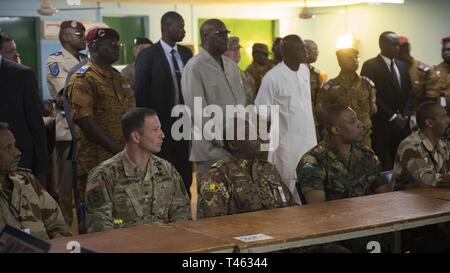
(204,78)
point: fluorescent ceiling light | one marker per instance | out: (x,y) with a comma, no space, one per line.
(331,3)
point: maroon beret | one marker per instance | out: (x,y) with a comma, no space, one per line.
(445,40)
(72,24)
(101,33)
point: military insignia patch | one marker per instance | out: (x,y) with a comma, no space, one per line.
(54,69)
(56,53)
(96,198)
(369,81)
(318,149)
(83,69)
(423,68)
(73,24)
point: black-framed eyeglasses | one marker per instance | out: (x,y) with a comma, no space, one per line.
(220,32)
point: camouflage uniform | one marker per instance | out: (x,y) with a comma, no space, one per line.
(323,168)
(248,84)
(316,84)
(24,204)
(418,163)
(424,83)
(358,93)
(119,194)
(443,85)
(128,73)
(238,186)
(258,71)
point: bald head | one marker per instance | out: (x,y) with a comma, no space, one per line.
(214,37)
(293,50)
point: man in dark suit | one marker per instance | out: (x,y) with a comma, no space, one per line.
(392,82)
(158,87)
(21,107)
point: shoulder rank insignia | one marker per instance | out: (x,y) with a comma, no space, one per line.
(369,81)
(423,67)
(319,148)
(327,85)
(56,53)
(83,69)
(54,69)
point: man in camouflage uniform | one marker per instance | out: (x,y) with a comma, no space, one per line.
(423,158)
(276,52)
(99,96)
(71,36)
(244,183)
(339,167)
(443,73)
(315,79)
(129,72)
(136,187)
(24,204)
(423,78)
(350,89)
(260,65)
(247,81)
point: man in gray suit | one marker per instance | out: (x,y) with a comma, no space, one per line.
(215,79)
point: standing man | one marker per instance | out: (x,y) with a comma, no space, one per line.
(215,79)
(71,36)
(423,79)
(129,72)
(99,96)
(287,85)
(348,88)
(276,52)
(443,72)
(392,82)
(260,65)
(135,187)
(248,83)
(21,107)
(158,87)
(315,79)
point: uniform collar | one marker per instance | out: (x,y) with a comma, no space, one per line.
(131,169)
(105,72)
(427,143)
(167,48)
(342,77)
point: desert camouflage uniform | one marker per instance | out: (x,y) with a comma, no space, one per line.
(418,163)
(238,186)
(323,168)
(443,85)
(358,93)
(248,84)
(424,83)
(24,204)
(119,194)
(258,71)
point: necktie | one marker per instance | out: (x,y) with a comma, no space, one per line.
(177,76)
(394,75)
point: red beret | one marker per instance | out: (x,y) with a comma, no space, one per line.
(72,24)
(445,40)
(100,33)
(403,40)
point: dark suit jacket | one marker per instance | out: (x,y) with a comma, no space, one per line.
(21,107)
(389,99)
(154,85)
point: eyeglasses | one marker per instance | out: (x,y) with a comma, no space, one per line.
(223,33)
(78,34)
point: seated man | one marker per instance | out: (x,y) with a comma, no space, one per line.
(244,183)
(423,158)
(135,187)
(339,167)
(24,204)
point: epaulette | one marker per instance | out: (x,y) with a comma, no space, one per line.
(25,170)
(83,69)
(369,81)
(218,164)
(56,53)
(423,67)
(320,148)
(328,84)
(82,55)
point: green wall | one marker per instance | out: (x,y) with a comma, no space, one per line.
(249,32)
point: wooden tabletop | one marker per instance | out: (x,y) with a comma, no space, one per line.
(438,193)
(145,238)
(335,218)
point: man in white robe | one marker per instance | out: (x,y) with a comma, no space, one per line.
(287,85)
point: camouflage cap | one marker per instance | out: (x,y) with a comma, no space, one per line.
(260,47)
(346,52)
(233,43)
(72,24)
(101,33)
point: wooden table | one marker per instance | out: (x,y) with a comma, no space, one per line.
(146,238)
(438,193)
(325,222)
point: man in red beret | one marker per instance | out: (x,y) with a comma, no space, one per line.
(442,72)
(99,96)
(423,78)
(71,36)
